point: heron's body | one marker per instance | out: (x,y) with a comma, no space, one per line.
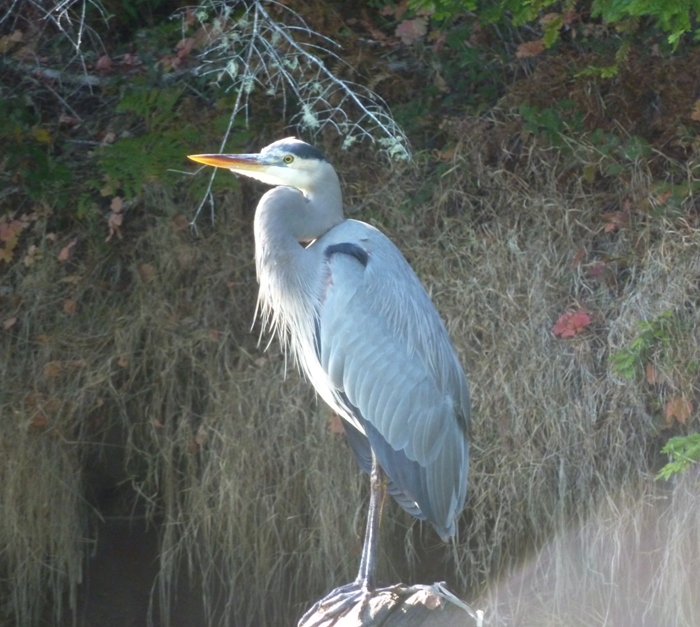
(379,355)
(362,328)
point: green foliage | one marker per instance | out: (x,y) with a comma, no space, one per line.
(27,148)
(674,17)
(599,71)
(683,451)
(614,154)
(600,151)
(653,334)
(488,12)
(554,123)
(129,163)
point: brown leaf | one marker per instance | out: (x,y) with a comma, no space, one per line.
(650,372)
(412,31)
(104,64)
(117,204)
(201,437)
(33,254)
(335,424)
(190,18)
(146,272)
(441,84)
(39,421)
(663,197)
(597,269)
(549,17)
(114,222)
(65,253)
(10,231)
(203,35)
(695,114)
(578,256)
(677,409)
(9,323)
(615,220)
(130,59)
(569,17)
(53,369)
(70,307)
(68,120)
(185,46)
(445,155)
(7,42)
(530,49)
(180,223)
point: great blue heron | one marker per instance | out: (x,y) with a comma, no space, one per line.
(364,331)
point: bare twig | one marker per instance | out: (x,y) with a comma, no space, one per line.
(254,51)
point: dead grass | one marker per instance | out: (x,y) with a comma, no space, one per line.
(234,462)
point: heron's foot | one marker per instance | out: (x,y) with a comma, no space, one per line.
(336,604)
(339,603)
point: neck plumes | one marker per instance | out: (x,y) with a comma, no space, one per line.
(289,274)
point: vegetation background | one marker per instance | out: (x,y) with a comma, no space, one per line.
(536,163)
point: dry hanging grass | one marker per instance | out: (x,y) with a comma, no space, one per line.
(233,462)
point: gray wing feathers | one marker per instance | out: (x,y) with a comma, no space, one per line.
(385,348)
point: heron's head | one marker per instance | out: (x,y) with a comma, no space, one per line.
(287,161)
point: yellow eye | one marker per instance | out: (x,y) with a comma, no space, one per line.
(288,158)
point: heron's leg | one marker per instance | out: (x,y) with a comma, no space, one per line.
(368,561)
(360,591)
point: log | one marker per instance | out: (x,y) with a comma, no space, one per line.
(402,606)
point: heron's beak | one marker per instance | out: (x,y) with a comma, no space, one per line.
(232,162)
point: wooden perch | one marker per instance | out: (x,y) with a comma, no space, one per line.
(402,606)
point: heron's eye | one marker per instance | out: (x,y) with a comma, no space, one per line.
(288,158)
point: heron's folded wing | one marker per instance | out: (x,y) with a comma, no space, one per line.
(385,349)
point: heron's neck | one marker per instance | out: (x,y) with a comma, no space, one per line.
(324,204)
(289,274)
(285,214)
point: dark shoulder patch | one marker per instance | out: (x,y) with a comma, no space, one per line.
(346,248)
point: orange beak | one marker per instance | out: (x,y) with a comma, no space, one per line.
(231,162)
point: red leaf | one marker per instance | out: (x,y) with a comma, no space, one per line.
(571,323)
